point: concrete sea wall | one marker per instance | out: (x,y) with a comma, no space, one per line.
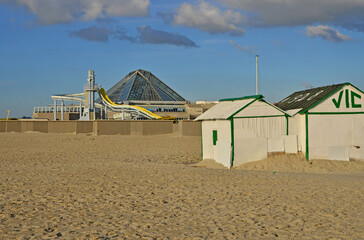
(104,127)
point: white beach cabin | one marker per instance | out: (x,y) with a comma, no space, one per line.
(329,121)
(240,130)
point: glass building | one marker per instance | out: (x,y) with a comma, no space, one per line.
(141,85)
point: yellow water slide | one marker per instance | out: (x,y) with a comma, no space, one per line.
(113,105)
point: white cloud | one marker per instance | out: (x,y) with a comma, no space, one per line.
(327,33)
(267,13)
(247,49)
(209,19)
(62,11)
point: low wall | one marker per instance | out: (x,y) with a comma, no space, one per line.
(149,127)
(191,128)
(84,127)
(176,129)
(40,126)
(62,126)
(105,127)
(10,126)
(2,126)
(26,126)
(136,128)
(34,126)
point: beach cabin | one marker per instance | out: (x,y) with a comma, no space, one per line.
(329,121)
(240,130)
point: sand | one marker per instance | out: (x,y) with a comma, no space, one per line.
(125,187)
(209,163)
(298,163)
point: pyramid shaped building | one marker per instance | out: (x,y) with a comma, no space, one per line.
(141,85)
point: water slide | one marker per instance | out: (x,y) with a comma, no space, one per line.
(77,97)
(131,109)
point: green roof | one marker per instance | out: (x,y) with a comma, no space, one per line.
(242,98)
(309,98)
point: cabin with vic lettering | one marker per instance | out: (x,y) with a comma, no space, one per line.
(329,121)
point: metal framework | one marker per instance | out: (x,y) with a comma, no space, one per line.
(141,85)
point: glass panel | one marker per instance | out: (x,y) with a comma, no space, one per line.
(167,90)
(126,89)
(164,96)
(150,95)
(138,88)
(116,91)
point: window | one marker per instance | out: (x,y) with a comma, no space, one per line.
(214,137)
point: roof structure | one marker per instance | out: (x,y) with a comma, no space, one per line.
(141,85)
(301,101)
(241,98)
(226,108)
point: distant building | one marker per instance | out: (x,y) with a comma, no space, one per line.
(144,89)
(141,85)
(140,88)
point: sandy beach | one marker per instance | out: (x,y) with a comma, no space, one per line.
(68,186)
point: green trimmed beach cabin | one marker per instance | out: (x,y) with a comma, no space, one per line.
(240,130)
(329,121)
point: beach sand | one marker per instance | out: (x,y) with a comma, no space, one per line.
(68,186)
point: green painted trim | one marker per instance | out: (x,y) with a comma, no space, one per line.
(324,99)
(277,108)
(214,137)
(261,116)
(287,122)
(333,113)
(232,142)
(241,98)
(241,109)
(338,102)
(329,95)
(307,148)
(201,143)
(355,88)
(347,98)
(353,96)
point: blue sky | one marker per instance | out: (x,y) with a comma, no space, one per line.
(205,50)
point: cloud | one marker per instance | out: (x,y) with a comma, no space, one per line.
(275,13)
(122,35)
(94,33)
(327,33)
(149,35)
(353,26)
(166,16)
(106,21)
(64,11)
(209,19)
(146,35)
(247,49)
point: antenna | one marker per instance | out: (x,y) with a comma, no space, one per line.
(256,74)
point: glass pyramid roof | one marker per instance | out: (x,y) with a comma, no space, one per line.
(143,86)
